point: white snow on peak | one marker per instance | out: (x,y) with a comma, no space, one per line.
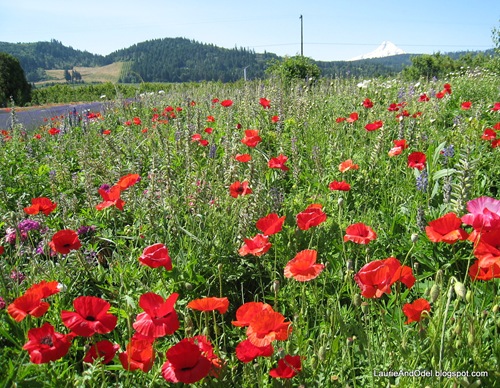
(386,49)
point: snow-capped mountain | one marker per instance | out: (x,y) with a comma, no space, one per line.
(386,49)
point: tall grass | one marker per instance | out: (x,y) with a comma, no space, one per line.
(183,201)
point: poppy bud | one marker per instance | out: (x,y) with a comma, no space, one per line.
(414,238)
(434,294)
(321,353)
(458,329)
(460,290)
(439,276)
(276,286)
(364,307)
(356,300)
(470,339)
(495,308)
(468,296)
(350,265)
(188,286)
(340,201)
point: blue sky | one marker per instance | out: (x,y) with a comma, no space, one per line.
(333,30)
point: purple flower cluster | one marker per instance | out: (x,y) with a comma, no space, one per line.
(26,225)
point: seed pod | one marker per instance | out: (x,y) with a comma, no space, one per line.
(414,238)
(495,308)
(460,290)
(340,201)
(435,291)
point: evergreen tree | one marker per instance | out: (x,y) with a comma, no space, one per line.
(13,81)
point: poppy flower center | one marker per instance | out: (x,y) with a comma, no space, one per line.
(90,318)
(240,189)
(47,340)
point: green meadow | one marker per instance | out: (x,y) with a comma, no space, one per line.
(248,191)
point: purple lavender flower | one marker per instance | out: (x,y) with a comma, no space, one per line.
(86,229)
(17,276)
(2,303)
(26,225)
(422,181)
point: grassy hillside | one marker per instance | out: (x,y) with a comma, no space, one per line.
(108,73)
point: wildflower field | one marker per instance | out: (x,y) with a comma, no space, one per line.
(338,234)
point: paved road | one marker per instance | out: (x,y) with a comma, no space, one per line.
(33,118)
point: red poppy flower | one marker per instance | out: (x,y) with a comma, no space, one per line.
(2,250)
(265,103)
(374,126)
(104,350)
(312,216)
(270,224)
(340,119)
(423,98)
(28,304)
(159,317)
(251,138)
(353,117)
(495,143)
(393,107)
(155,256)
(278,162)
(348,165)
(45,344)
(400,143)
(54,131)
(127,181)
(215,100)
(210,304)
(446,229)
(243,158)
(267,326)
(226,103)
(275,119)
(106,132)
(447,88)
(246,312)
(210,119)
(137,121)
(208,130)
(376,277)
(489,134)
(487,249)
(110,198)
(416,160)
(303,266)
(339,186)
(359,233)
(466,105)
(256,246)
(367,103)
(239,188)
(247,352)
(41,204)
(185,363)
(287,368)
(413,311)
(45,289)
(440,95)
(486,273)
(90,316)
(139,355)
(65,241)
(496,106)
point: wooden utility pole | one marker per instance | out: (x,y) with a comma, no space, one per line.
(301,36)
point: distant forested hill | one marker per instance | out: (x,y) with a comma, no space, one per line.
(182,60)
(37,57)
